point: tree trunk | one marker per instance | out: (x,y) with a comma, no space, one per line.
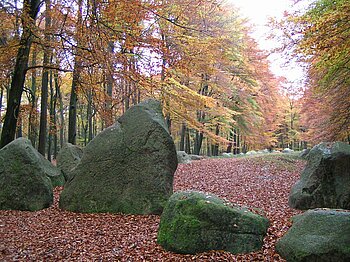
(238,146)
(44,85)
(51,127)
(182,137)
(72,118)
(188,142)
(198,142)
(31,9)
(62,128)
(215,147)
(109,88)
(235,147)
(53,115)
(89,115)
(32,128)
(230,144)
(1,97)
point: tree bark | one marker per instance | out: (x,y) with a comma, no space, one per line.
(183,135)
(62,128)
(188,142)
(53,116)
(32,129)
(89,115)
(30,9)
(1,97)
(72,118)
(109,87)
(45,85)
(49,146)
(215,147)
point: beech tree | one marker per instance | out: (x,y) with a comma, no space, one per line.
(194,56)
(29,14)
(320,38)
(45,83)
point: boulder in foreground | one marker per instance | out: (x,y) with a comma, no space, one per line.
(194,222)
(317,235)
(24,177)
(127,168)
(325,181)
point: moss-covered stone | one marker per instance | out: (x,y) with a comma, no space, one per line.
(325,181)
(127,168)
(25,177)
(194,222)
(68,158)
(317,235)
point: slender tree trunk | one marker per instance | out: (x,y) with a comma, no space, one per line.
(53,115)
(209,148)
(89,116)
(62,128)
(188,142)
(238,146)
(235,147)
(72,119)
(30,9)
(109,88)
(1,97)
(215,147)
(230,144)
(32,114)
(182,137)
(44,85)
(198,142)
(51,127)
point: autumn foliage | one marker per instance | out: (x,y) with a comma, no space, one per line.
(103,56)
(320,38)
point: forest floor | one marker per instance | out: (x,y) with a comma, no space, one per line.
(52,234)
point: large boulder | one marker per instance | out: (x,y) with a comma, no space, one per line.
(325,181)
(317,235)
(25,177)
(128,168)
(68,158)
(194,222)
(183,157)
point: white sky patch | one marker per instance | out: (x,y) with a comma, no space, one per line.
(259,12)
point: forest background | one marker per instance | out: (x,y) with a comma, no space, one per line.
(69,69)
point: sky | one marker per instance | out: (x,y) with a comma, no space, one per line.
(258,12)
